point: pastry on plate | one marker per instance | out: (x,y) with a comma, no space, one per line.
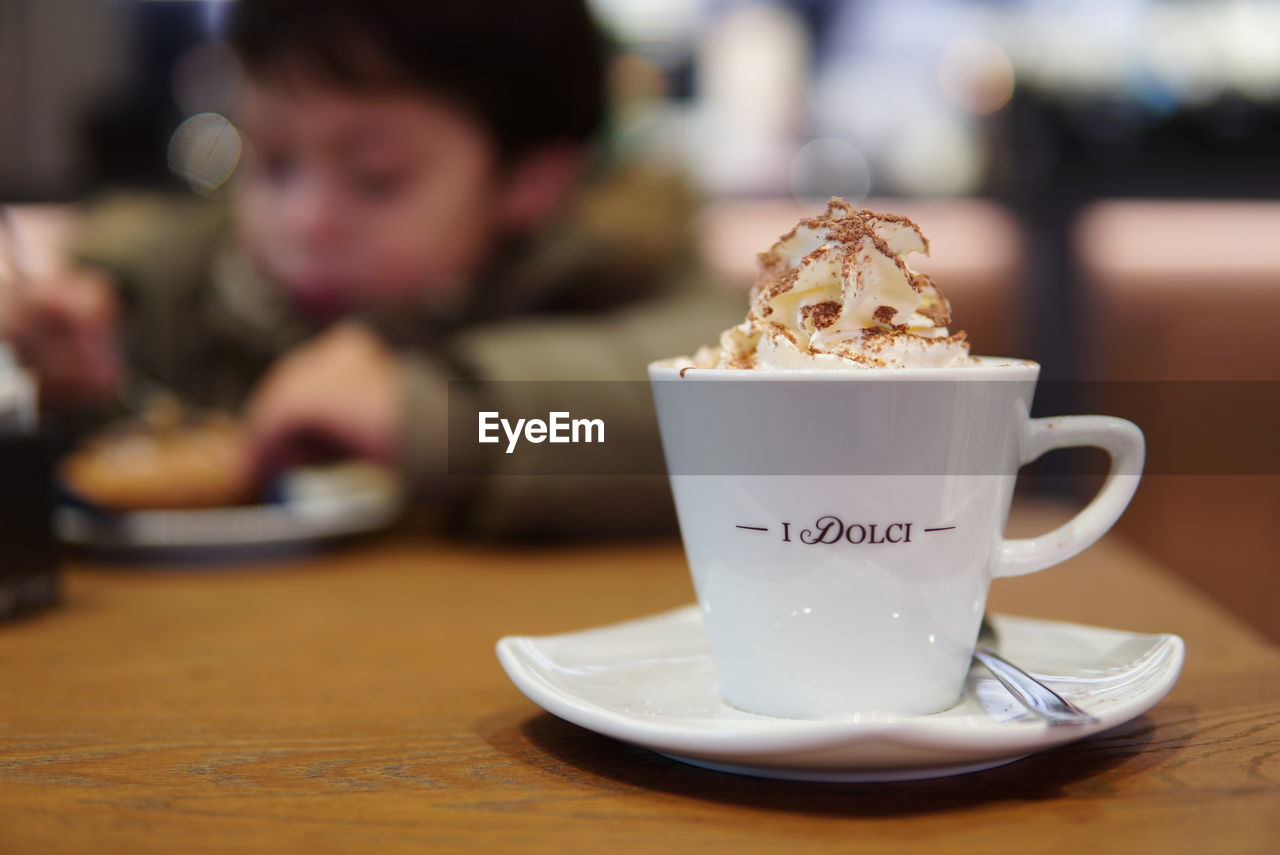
(170,459)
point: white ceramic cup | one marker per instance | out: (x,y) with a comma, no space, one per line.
(843,527)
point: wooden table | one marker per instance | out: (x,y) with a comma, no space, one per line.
(351,702)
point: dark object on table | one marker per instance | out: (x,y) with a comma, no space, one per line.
(28,551)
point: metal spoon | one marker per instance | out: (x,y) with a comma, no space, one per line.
(1030,692)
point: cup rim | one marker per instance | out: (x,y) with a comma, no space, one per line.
(1009,368)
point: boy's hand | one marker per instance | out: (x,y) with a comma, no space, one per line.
(336,396)
(63,326)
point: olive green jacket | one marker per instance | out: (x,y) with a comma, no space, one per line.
(612,285)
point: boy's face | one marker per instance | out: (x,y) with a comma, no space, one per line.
(364,200)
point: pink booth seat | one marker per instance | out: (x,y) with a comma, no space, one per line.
(1183,290)
(1190,291)
(976,256)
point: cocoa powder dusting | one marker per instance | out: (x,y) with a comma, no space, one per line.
(821,315)
(884,314)
(778,329)
(936,313)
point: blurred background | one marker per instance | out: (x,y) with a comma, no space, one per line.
(1095,177)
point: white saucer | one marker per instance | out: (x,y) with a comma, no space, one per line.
(651,682)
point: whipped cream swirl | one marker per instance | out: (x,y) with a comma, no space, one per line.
(836,292)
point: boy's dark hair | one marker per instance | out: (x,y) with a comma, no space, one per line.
(532,71)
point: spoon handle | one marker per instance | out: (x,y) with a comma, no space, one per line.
(1031,693)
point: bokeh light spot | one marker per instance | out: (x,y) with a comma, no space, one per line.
(204,151)
(976,75)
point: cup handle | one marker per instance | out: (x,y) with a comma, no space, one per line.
(1123,441)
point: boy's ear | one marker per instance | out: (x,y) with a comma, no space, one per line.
(537,184)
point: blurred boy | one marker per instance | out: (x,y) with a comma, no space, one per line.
(410,211)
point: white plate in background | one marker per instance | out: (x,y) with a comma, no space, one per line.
(317,504)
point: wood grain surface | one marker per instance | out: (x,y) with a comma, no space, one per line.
(351,702)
